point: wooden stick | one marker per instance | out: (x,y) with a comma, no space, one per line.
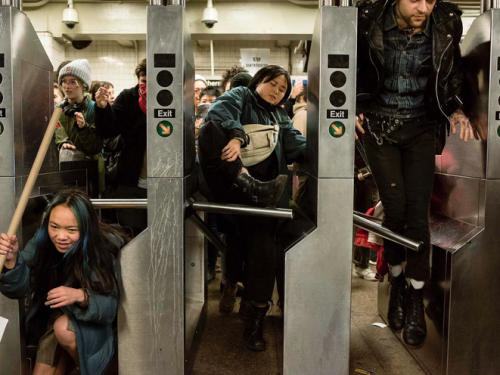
(30,183)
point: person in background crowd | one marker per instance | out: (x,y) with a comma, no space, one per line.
(403,98)
(97,84)
(76,129)
(299,119)
(200,84)
(240,79)
(127,116)
(208,95)
(225,83)
(298,87)
(58,94)
(70,274)
(235,179)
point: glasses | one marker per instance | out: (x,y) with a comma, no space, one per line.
(69,83)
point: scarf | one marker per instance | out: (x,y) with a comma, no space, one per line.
(143,97)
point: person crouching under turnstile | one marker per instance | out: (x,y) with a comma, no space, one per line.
(70,272)
(409,82)
(244,149)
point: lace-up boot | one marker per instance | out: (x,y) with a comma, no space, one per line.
(397,302)
(415,329)
(258,192)
(228,299)
(253,334)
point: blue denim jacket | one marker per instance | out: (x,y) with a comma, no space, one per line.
(408,65)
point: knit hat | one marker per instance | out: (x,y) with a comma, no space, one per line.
(199,77)
(78,68)
(241,79)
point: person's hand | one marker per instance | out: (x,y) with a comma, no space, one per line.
(67,146)
(64,296)
(359,125)
(80,120)
(466,130)
(232,150)
(298,87)
(9,247)
(102,97)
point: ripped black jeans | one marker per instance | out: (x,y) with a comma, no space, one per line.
(404,172)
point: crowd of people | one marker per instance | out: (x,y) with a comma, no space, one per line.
(249,131)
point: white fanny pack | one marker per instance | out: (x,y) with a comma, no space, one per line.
(262,140)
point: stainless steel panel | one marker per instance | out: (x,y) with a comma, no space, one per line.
(12,357)
(327,156)
(493,171)
(151,317)
(456,197)
(318,274)
(473,315)
(172,156)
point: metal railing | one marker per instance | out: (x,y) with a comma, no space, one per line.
(235,209)
(371,226)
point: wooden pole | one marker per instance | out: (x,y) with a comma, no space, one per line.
(30,183)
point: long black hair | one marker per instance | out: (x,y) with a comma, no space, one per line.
(268,73)
(89,263)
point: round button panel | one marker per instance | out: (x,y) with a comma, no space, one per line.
(337,98)
(164,78)
(164,98)
(338,79)
(1,79)
(1,97)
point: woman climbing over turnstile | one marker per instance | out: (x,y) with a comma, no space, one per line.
(244,149)
(69,272)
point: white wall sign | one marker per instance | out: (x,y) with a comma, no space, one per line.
(3,324)
(252,59)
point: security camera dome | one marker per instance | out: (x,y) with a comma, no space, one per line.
(70,17)
(210,16)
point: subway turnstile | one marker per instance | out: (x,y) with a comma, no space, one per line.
(163,300)
(461,299)
(26,102)
(318,268)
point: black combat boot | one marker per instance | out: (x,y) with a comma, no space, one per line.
(266,193)
(415,329)
(397,302)
(253,329)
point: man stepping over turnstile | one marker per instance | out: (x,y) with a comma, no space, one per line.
(408,88)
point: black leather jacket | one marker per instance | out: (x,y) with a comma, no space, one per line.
(443,93)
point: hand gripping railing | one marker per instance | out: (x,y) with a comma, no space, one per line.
(369,224)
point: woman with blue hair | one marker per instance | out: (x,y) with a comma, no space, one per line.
(70,273)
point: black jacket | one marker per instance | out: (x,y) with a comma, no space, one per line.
(125,117)
(443,92)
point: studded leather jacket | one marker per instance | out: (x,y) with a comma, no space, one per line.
(443,91)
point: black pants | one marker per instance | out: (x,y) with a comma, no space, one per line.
(253,241)
(404,173)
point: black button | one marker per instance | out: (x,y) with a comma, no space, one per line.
(338,79)
(1,79)
(164,98)
(337,98)
(1,98)
(164,78)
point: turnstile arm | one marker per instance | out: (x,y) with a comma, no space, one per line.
(386,233)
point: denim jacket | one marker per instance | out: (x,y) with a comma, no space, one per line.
(443,90)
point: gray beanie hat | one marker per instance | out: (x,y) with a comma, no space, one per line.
(79,69)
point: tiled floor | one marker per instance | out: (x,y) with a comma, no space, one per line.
(223,352)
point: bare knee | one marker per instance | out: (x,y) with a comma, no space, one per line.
(66,339)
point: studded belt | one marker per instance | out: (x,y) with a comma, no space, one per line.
(383,127)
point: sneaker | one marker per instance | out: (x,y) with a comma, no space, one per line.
(364,273)
(372,262)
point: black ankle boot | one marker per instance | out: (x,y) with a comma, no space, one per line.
(397,302)
(267,193)
(253,329)
(415,329)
